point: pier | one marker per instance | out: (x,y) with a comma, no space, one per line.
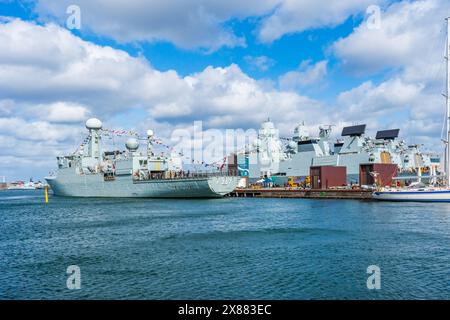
(358,194)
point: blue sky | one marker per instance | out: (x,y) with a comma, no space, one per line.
(163,64)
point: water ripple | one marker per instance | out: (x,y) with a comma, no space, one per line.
(221,249)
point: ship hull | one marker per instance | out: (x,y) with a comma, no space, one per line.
(21,188)
(413,196)
(124,187)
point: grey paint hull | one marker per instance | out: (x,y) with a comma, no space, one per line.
(71,185)
(299,166)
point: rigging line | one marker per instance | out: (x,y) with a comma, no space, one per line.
(444,124)
(435,74)
(440,71)
(444,89)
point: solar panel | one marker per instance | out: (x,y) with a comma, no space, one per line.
(354,130)
(387,134)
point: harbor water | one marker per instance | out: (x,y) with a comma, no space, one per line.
(230,248)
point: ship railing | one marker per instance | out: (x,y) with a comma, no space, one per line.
(179,175)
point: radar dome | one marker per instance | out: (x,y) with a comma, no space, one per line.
(94,124)
(149,133)
(132,144)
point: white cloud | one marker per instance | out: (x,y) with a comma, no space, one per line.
(262,63)
(37,130)
(187,23)
(204,24)
(6,107)
(307,74)
(61,112)
(388,96)
(395,103)
(299,15)
(227,97)
(29,51)
(411,35)
(103,81)
(410,46)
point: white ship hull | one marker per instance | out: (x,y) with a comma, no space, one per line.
(413,195)
(21,188)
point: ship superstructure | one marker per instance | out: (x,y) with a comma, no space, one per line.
(90,172)
(268,151)
(354,148)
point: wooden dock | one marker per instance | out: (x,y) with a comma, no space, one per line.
(302,193)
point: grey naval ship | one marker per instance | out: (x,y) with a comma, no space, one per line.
(269,156)
(93,173)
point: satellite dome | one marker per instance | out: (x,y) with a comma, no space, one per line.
(94,124)
(149,133)
(132,144)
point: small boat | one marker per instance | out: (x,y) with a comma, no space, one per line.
(427,194)
(22,186)
(422,193)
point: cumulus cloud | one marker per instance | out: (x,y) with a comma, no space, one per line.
(299,15)
(409,45)
(204,24)
(395,103)
(227,97)
(411,36)
(37,130)
(306,75)
(262,63)
(103,81)
(387,96)
(61,112)
(6,107)
(188,23)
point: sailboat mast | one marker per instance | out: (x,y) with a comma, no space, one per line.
(447,149)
